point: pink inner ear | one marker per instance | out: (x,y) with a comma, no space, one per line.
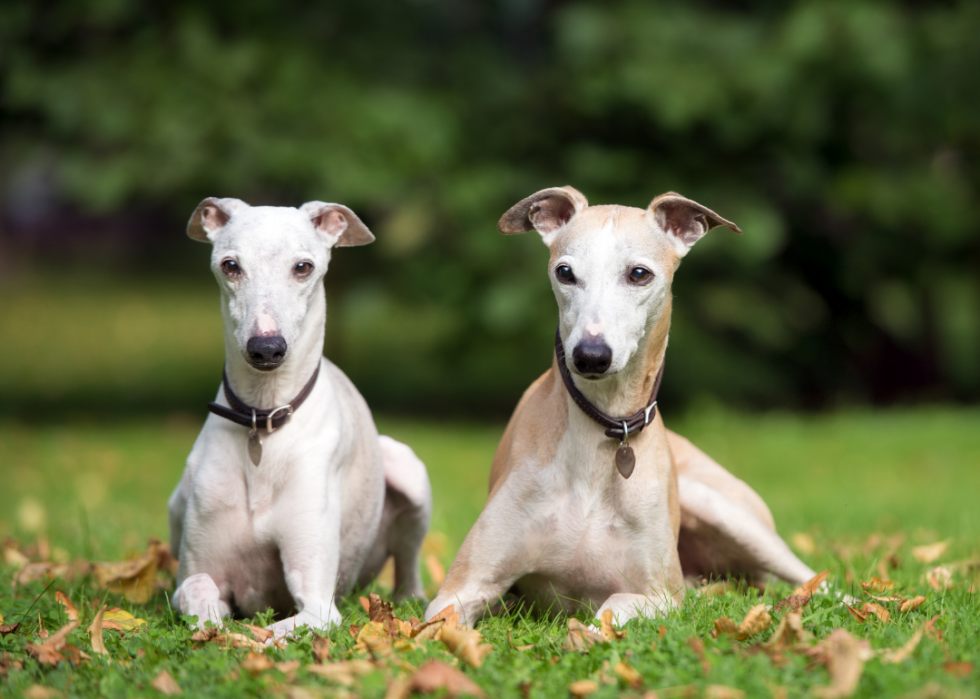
(213,218)
(551,214)
(331,222)
(683,221)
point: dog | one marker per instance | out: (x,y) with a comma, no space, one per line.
(586,509)
(289,497)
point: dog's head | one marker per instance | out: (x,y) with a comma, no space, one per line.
(269,262)
(611,267)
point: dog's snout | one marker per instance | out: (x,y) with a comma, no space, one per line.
(266,352)
(592,356)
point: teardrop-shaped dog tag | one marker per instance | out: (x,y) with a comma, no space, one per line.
(255,447)
(625,460)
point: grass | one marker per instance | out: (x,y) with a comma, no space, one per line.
(98,489)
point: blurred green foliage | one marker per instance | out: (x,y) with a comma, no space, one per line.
(843,137)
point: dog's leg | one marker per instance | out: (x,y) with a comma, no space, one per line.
(199,596)
(626,605)
(722,535)
(409,494)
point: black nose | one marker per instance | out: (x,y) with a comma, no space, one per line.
(266,352)
(592,357)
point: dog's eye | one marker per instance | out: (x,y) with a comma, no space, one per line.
(638,275)
(564,274)
(302,269)
(231,268)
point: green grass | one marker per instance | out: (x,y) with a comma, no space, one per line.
(98,489)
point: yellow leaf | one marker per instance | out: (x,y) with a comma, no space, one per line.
(757,619)
(95,633)
(166,684)
(607,629)
(910,604)
(930,552)
(465,644)
(121,620)
(812,585)
(135,579)
(803,543)
(583,688)
(628,674)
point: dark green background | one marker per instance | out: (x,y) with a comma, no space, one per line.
(843,137)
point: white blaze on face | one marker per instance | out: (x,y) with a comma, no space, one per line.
(266,325)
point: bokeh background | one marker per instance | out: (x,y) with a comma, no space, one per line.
(843,137)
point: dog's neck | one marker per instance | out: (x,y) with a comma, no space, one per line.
(271,389)
(629,390)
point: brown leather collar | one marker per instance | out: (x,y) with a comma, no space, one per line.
(614,426)
(247,416)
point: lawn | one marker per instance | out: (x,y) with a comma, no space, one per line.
(855,492)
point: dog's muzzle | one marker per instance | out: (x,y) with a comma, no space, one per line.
(266,353)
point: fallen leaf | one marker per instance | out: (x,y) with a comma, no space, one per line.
(877,585)
(13,557)
(510,640)
(957,669)
(845,656)
(873,608)
(380,611)
(36,691)
(812,585)
(930,552)
(910,604)
(121,621)
(607,629)
(857,613)
(165,684)
(372,637)
(321,648)
(260,633)
(788,633)
(888,598)
(237,640)
(437,573)
(757,619)
(48,653)
(940,578)
(803,543)
(7,629)
(206,634)
(8,662)
(897,655)
(288,666)
(344,672)
(436,675)
(95,633)
(134,579)
(66,603)
(583,688)
(465,644)
(793,603)
(697,645)
(628,674)
(720,691)
(257,663)
(580,636)
(931,630)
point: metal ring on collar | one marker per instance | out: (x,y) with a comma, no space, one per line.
(287,409)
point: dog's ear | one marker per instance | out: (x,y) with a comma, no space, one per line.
(338,224)
(545,211)
(210,217)
(685,221)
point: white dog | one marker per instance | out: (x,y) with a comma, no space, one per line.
(587,508)
(289,497)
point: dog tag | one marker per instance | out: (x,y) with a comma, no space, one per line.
(255,447)
(625,460)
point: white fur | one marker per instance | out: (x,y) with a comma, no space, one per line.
(329,501)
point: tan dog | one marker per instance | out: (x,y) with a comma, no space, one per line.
(562,523)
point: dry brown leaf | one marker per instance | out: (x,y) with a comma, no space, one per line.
(13,557)
(628,674)
(260,633)
(873,608)
(877,585)
(8,662)
(697,645)
(931,630)
(436,675)
(857,613)
(812,585)
(583,688)
(36,691)
(845,656)
(510,640)
(793,603)
(344,672)
(380,611)
(166,684)
(940,578)
(7,629)
(437,573)
(930,552)
(257,663)
(580,636)
(206,634)
(720,691)
(757,619)
(49,652)
(365,602)
(788,633)
(957,669)
(237,640)
(399,689)
(135,579)
(95,633)
(288,666)
(888,598)
(897,655)
(910,604)
(606,628)
(321,648)
(465,644)
(63,600)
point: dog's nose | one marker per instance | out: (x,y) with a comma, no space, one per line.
(266,351)
(593,357)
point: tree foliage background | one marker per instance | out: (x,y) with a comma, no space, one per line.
(843,137)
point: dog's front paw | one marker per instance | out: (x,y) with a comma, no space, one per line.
(288,627)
